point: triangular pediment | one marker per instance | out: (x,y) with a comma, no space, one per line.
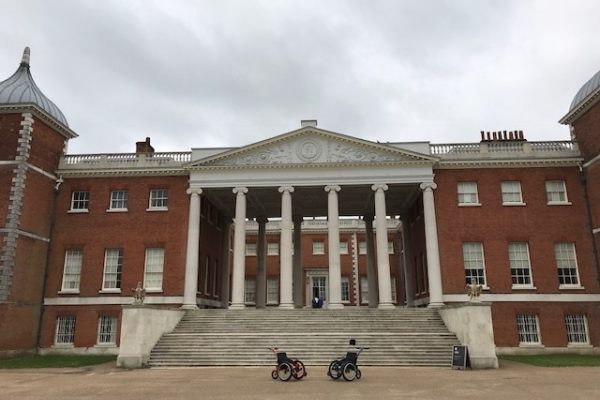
(312,146)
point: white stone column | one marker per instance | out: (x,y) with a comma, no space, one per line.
(383,257)
(193,246)
(261,259)
(239,250)
(226,263)
(285,249)
(297,284)
(333,233)
(434,272)
(407,261)
(371,275)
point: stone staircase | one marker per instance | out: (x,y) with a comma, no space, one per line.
(398,337)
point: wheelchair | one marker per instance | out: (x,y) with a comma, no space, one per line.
(286,367)
(347,366)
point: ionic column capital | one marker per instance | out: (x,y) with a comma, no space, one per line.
(196,191)
(381,186)
(240,190)
(368,217)
(335,188)
(425,186)
(297,219)
(289,189)
(261,219)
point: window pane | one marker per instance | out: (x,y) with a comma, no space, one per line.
(72,271)
(343,247)
(272,290)
(65,329)
(159,198)
(566,263)
(250,249)
(511,192)
(318,248)
(362,248)
(118,199)
(153,272)
(250,291)
(80,200)
(473,263)
(556,191)
(107,329)
(113,265)
(576,328)
(467,193)
(364,290)
(272,249)
(345,289)
(527,326)
(519,263)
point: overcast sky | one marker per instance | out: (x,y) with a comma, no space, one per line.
(229,73)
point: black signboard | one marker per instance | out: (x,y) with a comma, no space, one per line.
(460,357)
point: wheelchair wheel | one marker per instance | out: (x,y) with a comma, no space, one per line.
(335,369)
(274,374)
(358,373)
(349,372)
(284,371)
(298,369)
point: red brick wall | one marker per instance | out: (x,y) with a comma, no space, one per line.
(495,226)
(551,318)
(37,204)
(18,330)
(587,132)
(10,125)
(46,146)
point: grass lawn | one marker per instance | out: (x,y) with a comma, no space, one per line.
(557,360)
(54,361)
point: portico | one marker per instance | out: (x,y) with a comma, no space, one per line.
(309,173)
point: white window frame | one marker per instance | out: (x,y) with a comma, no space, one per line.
(345,287)
(318,247)
(250,249)
(250,291)
(520,264)
(154,265)
(119,201)
(364,290)
(158,200)
(64,334)
(556,193)
(577,328)
(528,330)
(79,204)
(474,259)
(362,248)
(272,291)
(107,330)
(468,195)
(344,249)
(512,194)
(113,265)
(272,249)
(566,259)
(72,271)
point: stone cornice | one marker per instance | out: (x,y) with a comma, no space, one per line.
(580,109)
(508,163)
(316,165)
(111,173)
(41,114)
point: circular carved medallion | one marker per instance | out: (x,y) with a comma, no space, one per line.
(309,150)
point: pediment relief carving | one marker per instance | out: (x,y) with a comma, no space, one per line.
(312,148)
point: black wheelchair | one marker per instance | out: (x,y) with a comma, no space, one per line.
(347,366)
(287,367)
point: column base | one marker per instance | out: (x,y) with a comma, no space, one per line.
(335,306)
(239,306)
(435,304)
(286,306)
(386,306)
(188,307)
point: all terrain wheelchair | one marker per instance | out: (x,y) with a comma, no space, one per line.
(347,366)
(287,367)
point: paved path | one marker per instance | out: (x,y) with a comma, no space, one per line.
(512,381)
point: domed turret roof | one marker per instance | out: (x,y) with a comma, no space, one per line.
(586,97)
(590,87)
(20,88)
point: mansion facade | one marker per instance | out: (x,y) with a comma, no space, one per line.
(305,214)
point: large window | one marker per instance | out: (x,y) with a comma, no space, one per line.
(556,192)
(272,249)
(113,266)
(576,329)
(467,193)
(362,248)
(520,269)
(566,262)
(72,270)
(511,193)
(250,249)
(80,201)
(345,290)
(159,199)
(65,330)
(474,263)
(318,247)
(364,290)
(272,291)
(528,328)
(250,291)
(107,329)
(153,269)
(118,200)
(343,247)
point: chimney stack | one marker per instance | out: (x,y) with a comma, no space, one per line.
(144,147)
